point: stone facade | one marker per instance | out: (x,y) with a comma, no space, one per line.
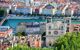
(53,30)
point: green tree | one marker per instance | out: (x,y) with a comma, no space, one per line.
(62,47)
(68,40)
(77,47)
(56,48)
(19,34)
(3,12)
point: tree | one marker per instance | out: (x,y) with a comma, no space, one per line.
(20,34)
(23,34)
(69,40)
(72,48)
(3,12)
(56,48)
(78,41)
(62,47)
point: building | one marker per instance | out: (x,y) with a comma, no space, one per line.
(34,40)
(50,9)
(54,28)
(75,25)
(5,31)
(35,27)
(22,10)
(34,32)
(31,27)
(21,27)
(6,1)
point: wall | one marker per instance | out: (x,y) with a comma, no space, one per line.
(46,11)
(54,30)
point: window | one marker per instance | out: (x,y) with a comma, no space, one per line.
(49,27)
(49,33)
(67,21)
(61,28)
(75,30)
(48,20)
(67,29)
(56,32)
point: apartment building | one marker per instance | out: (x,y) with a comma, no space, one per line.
(75,25)
(5,31)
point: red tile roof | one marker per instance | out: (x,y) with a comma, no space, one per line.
(6,33)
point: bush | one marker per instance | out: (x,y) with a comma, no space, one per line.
(25,47)
(70,41)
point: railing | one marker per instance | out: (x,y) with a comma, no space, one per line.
(3,20)
(22,17)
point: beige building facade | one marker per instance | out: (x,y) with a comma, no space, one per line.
(54,29)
